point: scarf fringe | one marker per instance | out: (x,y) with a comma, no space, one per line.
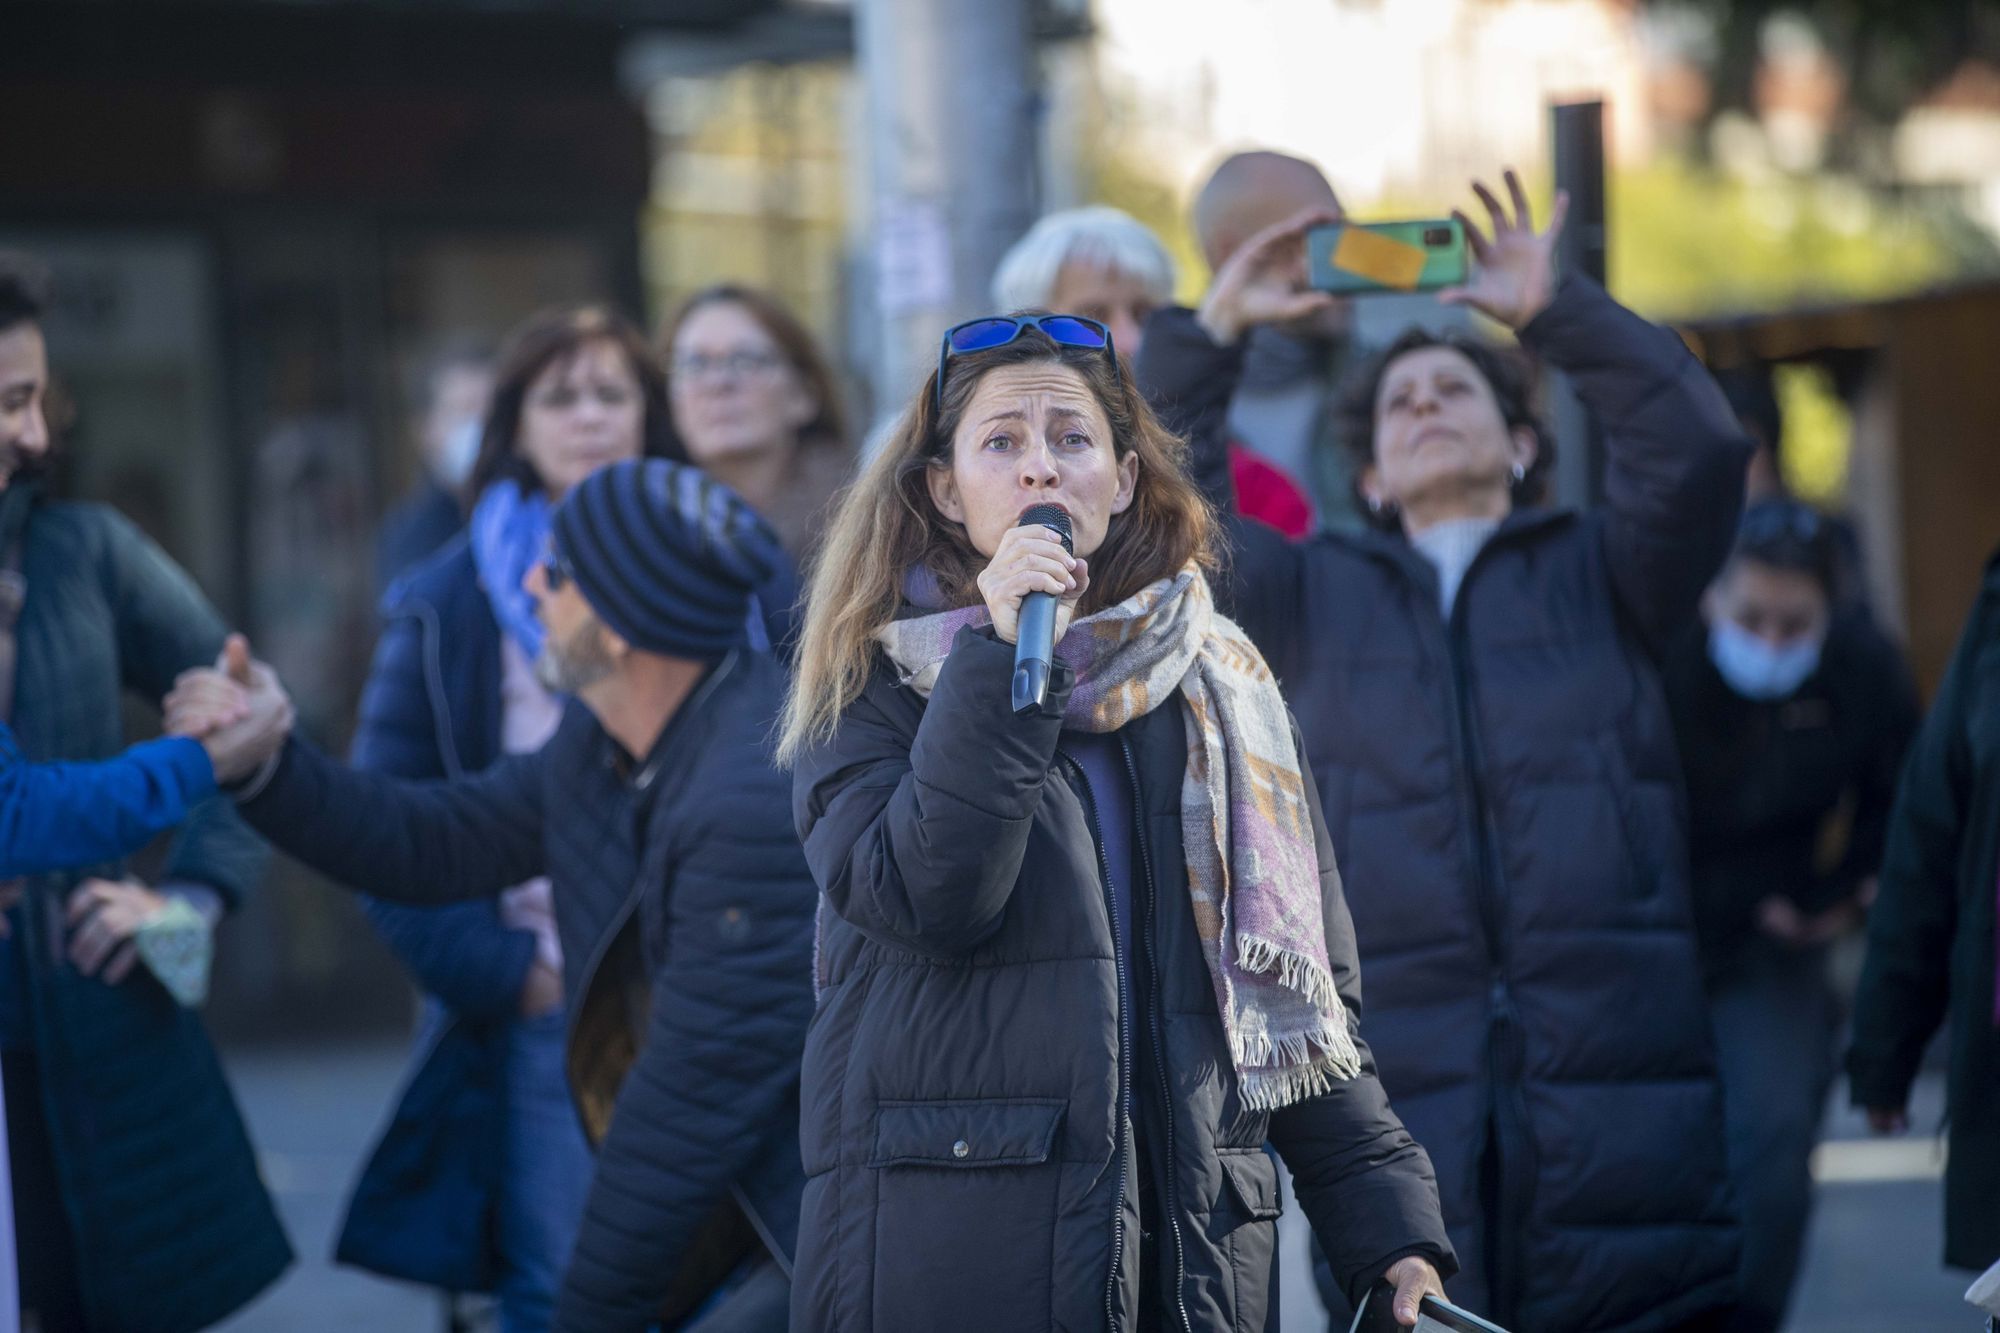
(1275,1089)
(1296,972)
(1328,1043)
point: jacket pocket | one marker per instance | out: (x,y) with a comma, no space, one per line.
(965,1217)
(1250,1179)
(1010,1131)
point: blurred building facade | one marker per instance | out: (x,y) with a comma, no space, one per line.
(262,216)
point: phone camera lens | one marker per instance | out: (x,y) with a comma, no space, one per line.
(1437,237)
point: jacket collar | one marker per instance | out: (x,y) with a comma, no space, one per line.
(1393,548)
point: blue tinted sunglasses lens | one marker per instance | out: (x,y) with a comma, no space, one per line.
(1073,332)
(982,334)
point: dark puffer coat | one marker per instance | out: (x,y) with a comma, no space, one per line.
(171,1225)
(1505,794)
(972,1077)
(685,912)
(1931,937)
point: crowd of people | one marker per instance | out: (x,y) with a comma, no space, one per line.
(780,972)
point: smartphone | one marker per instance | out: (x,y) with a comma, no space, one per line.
(1365,258)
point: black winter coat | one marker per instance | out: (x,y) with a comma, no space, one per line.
(685,911)
(1931,935)
(171,1225)
(1505,795)
(972,1076)
(1768,779)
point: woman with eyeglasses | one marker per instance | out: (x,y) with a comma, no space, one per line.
(1792,717)
(1076,964)
(479,1180)
(755,405)
(1476,679)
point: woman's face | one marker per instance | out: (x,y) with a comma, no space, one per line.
(735,392)
(1783,607)
(1440,436)
(1034,434)
(582,413)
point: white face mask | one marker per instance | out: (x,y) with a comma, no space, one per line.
(1754,668)
(461,450)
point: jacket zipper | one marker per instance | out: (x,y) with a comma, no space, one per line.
(1124,1045)
(638,890)
(1168,1205)
(1505,1051)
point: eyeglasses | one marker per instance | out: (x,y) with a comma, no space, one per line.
(983,335)
(738,365)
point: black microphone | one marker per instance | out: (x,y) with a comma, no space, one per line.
(1035,640)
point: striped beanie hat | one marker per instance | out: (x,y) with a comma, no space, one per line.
(666,556)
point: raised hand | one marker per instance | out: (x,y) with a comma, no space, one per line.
(1264,282)
(237,749)
(207,701)
(1514,270)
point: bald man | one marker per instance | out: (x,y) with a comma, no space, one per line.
(1282,408)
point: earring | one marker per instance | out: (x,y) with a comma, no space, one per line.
(1520,472)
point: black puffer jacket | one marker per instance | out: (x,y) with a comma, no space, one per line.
(685,912)
(1505,795)
(972,1075)
(1932,938)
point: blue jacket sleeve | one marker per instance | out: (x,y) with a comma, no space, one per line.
(463,954)
(59,815)
(1674,455)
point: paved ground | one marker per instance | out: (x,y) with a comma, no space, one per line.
(1872,1265)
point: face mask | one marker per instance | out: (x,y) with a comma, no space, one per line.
(1755,669)
(461,450)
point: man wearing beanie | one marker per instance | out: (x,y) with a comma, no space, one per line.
(681,894)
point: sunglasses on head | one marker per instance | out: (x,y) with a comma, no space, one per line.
(983,335)
(1775,520)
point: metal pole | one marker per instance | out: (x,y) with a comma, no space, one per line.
(950,97)
(1579,163)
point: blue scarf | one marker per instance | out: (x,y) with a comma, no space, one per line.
(510,531)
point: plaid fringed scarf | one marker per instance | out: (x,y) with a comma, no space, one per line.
(1252,865)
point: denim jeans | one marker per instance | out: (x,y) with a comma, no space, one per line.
(545,1178)
(1776,1027)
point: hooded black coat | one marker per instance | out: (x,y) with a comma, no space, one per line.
(1505,794)
(972,1078)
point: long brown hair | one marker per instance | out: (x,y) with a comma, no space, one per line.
(540,341)
(887,525)
(828,429)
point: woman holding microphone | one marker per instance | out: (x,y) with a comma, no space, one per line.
(1077,964)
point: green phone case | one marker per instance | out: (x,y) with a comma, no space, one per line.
(1363,258)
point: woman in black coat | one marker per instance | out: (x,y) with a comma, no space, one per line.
(1931,938)
(1077,964)
(1476,682)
